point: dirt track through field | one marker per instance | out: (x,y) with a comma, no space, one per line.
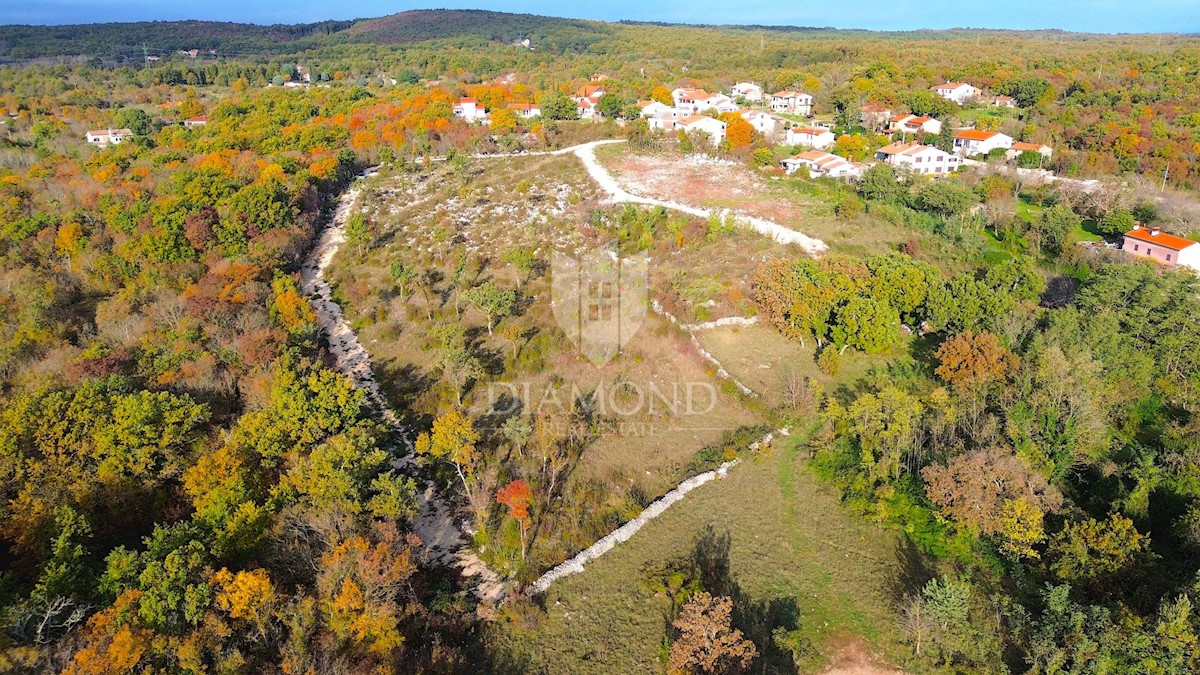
(444,541)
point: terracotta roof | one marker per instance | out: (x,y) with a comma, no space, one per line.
(645,104)
(952,85)
(197,118)
(692,119)
(587,90)
(521,106)
(788,93)
(695,94)
(1028,147)
(467,99)
(1163,239)
(976,135)
(811,131)
(897,148)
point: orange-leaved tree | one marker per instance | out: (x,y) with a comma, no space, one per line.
(517,497)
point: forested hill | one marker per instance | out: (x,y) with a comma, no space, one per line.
(551,33)
(125,41)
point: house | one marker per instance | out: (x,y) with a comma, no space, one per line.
(813,137)
(197,121)
(600,77)
(822,164)
(668,121)
(971,142)
(1004,102)
(696,100)
(107,136)
(748,90)
(715,128)
(653,108)
(793,102)
(525,110)
(1168,249)
(764,123)
(874,116)
(469,110)
(586,108)
(959,92)
(591,91)
(922,159)
(914,124)
(1020,147)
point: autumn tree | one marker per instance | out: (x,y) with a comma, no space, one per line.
(452,440)
(969,360)
(995,491)
(517,497)
(707,641)
(1094,550)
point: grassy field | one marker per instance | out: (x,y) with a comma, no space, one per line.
(793,554)
(764,360)
(803,205)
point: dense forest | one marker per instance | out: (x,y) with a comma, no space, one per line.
(187,483)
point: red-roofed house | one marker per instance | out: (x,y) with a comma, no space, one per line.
(525,110)
(822,164)
(914,124)
(590,91)
(715,128)
(1004,102)
(922,159)
(749,91)
(812,137)
(970,142)
(653,108)
(959,92)
(468,109)
(794,102)
(874,116)
(1168,249)
(1020,147)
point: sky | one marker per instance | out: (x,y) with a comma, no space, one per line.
(1100,16)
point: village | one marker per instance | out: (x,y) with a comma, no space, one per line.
(917,144)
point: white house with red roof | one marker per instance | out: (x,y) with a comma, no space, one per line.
(1020,147)
(747,90)
(525,110)
(1004,102)
(821,164)
(715,128)
(108,136)
(1167,249)
(652,108)
(914,124)
(812,137)
(792,102)
(469,110)
(763,122)
(874,116)
(922,159)
(697,100)
(971,142)
(959,92)
(197,121)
